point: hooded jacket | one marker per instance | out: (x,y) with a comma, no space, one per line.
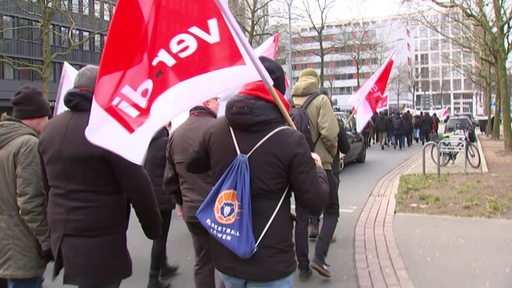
(322,122)
(91,190)
(23,228)
(283,159)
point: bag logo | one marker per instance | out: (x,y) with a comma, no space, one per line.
(226,207)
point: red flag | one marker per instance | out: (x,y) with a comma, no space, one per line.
(383,103)
(269,47)
(368,96)
(160,59)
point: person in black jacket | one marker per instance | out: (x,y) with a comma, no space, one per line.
(160,270)
(282,160)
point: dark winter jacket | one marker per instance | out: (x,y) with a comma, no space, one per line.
(155,167)
(283,159)
(189,189)
(91,190)
(382,123)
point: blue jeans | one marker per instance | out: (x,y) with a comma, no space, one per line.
(36,282)
(234,282)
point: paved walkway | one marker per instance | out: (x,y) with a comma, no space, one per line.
(378,260)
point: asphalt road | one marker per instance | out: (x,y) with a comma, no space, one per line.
(357,183)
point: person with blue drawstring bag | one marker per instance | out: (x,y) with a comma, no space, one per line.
(278,163)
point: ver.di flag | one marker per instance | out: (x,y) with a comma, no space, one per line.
(160,59)
(384,103)
(367,97)
(67,78)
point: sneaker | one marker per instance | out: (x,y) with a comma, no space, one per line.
(168,271)
(322,269)
(304,275)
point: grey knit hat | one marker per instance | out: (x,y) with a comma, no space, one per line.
(86,78)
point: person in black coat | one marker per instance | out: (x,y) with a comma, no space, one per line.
(160,270)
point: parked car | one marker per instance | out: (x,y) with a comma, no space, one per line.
(357,151)
(469,116)
(461,122)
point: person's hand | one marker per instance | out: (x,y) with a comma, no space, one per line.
(46,254)
(316,157)
(179,211)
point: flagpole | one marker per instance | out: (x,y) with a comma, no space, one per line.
(257,64)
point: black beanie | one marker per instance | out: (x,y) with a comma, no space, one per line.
(276,72)
(28,102)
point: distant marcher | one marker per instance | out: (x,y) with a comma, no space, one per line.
(381,126)
(324,131)
(24,236)
(160,270)
(91,191)
(283,159)
(190,189)
(427,124)
(416,124)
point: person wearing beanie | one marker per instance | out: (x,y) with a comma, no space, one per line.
(25,241)
(90,192)
(276,72)
(282,160)
(324,131)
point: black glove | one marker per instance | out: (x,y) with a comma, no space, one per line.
(46,254)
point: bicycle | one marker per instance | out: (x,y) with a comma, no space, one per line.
(459,138)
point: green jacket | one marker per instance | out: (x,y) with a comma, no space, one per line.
(322,122)
(23,227)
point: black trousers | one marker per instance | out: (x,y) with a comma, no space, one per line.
(204,270)
(159,248)
(330,221)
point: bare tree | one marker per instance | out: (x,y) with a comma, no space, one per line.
(490,19)
(317,14)
(253,17)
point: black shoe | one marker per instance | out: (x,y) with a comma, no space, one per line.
(382,147)
(321,268)
(154,282)
(168,271)
(304,275)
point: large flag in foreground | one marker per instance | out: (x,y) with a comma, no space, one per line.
(160,59)
(67,78)
(367,97)
(384,103)
(269,47)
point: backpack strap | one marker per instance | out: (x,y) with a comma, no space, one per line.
(271,217)
(310,99)
(259,143)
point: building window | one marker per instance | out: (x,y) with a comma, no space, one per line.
(24,29)
(424,59)
(24,74)
(64,32)
(36,76)
(424,45)
(434,58)
(7,27)
(107,11)
(457,84)
(97,8)
(446,87)
(7,72)
(434,44)
(85,7)
(468,85)
(75,7)
(97,43)
(87,42)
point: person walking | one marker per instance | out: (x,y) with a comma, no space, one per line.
(159,269)
(191,189)
(283,160)
(324,130)
(381,126)
(24,237)
(427,124)
(91,191)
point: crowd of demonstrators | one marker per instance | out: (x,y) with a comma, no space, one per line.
(282,160)
(324,127)
(24,237)
(160,271)
(191,189)
(90,193)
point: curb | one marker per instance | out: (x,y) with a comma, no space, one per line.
(378,260)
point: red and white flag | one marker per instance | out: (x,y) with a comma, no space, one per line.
(160,59)
(269,47)
(67,78)
(371,93)
(384,103)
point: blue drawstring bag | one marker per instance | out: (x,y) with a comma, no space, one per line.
(226,211)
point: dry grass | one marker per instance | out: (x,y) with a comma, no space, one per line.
(470,195)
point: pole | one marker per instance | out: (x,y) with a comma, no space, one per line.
(290,55)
